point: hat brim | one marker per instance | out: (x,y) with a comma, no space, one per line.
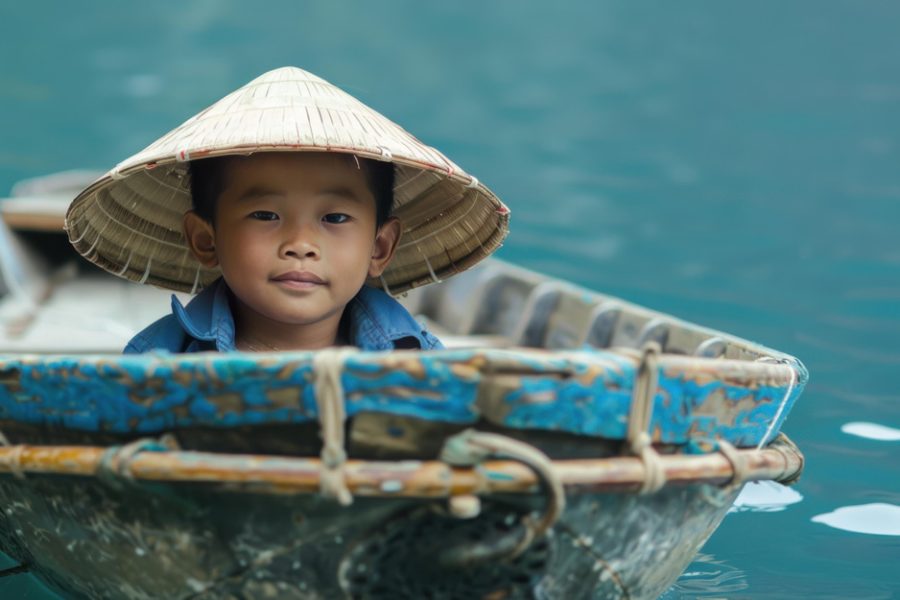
(129,221)
(130,224)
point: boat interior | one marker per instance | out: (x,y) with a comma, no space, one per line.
(53,301)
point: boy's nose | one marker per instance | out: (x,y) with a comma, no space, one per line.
(300,243)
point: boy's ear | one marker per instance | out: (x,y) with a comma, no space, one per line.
(386,240)
(200,239)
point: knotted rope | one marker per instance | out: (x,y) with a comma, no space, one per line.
(472,447)
(115,463)
(739,467)
(14,460)
(328,365)
(638,436)
(740,472)
(116,460)
(787,395)
(787,449)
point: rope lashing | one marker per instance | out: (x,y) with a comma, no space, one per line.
(14,460)
(384,284)
(638,436)
(787,395)
(740,472)
(116,460)
(787,449)
(327,366)
(471,447)
(738,461)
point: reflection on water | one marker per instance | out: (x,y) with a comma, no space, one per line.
(765,496)
(872,431)
(874,519)
(707,577)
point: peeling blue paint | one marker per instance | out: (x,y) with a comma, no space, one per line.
(586,394)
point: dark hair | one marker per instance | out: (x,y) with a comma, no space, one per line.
(208,182)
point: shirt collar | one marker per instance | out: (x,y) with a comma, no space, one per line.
(208,317)
(375,322)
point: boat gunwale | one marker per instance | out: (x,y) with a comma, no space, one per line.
(577,392)
(780,461)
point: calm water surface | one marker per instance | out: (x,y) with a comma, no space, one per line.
(734,163)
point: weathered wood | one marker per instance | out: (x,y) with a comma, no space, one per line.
(34,221)
(236,512)
(90,539)
(415,479)
(587,393)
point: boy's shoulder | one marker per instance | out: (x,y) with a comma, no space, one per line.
(165,333)
(204,324)
(379,322)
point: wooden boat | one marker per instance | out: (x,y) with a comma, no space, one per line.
(567,444)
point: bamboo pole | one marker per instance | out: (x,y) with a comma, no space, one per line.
(780,461)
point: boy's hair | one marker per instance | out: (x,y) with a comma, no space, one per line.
(208,182)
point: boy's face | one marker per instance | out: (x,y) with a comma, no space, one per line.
(295,237)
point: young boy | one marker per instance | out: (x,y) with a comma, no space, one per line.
(284,213)
(295,235)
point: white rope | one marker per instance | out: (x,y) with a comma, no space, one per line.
(739,467)
(780,410)
(13,459)
(434,276)
(471,447)
(146,274)
(639,417)
(127,263)
(740,472)
(384,284)
(73,226)
(386,155)
(196,282)
(328,365)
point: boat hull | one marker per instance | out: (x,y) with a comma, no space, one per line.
(218,476)
(91,538)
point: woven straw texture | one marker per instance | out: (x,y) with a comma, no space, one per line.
(129,221)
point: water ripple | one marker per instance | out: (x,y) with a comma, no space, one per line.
(707,577)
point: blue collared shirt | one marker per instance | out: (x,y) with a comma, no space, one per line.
(375,322)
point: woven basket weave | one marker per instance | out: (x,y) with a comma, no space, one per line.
(129,221)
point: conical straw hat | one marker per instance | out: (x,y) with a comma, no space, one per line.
(129,221)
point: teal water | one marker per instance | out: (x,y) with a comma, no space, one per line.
(736,164)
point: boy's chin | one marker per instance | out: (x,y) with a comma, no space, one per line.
(305,318)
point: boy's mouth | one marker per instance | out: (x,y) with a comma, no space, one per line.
(299,279)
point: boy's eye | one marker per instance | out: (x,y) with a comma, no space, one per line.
(263,215)
(336,218)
